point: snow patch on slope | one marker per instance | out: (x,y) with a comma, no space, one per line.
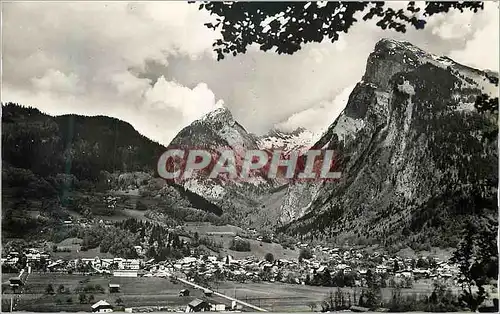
(214,114)
(232,136)
(347,126)
(214,191)
(406,88)
(299,140)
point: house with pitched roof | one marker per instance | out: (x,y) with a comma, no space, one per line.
(102,307)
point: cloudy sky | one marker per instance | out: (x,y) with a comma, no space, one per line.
(151,64)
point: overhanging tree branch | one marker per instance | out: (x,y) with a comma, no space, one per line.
(286,26)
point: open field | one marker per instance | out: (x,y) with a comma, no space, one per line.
(123,214)
(75,252)
(153,291)
(442,254)
(289,297)
(134,292)
(124,208)
(157,292)
(258,248)
(204,227)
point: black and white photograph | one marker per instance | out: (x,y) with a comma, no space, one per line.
(249,156)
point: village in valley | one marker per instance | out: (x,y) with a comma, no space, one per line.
(198,282)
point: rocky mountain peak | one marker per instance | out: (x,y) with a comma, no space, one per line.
(221,114)
(390,57)
(410,149)
(215,130)
(398,47)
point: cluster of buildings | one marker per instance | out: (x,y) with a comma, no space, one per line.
(349,260)
(118,266)
(32,255)
(333,260)
(299,272)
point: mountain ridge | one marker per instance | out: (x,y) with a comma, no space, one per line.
(397,125)
(413,155)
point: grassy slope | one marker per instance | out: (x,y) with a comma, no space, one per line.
(258,249)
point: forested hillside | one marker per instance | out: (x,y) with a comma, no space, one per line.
(54,167)
(72,144)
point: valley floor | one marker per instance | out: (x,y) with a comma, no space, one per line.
(159,292)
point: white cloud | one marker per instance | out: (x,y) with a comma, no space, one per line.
(192,103)
(317,119)
(452,25)
(76,57)
(57,81)
(481,50)
(325,49)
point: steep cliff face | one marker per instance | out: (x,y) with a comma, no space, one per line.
(413,160)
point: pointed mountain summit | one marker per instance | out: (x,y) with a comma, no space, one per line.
(217,129)
(215,132)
